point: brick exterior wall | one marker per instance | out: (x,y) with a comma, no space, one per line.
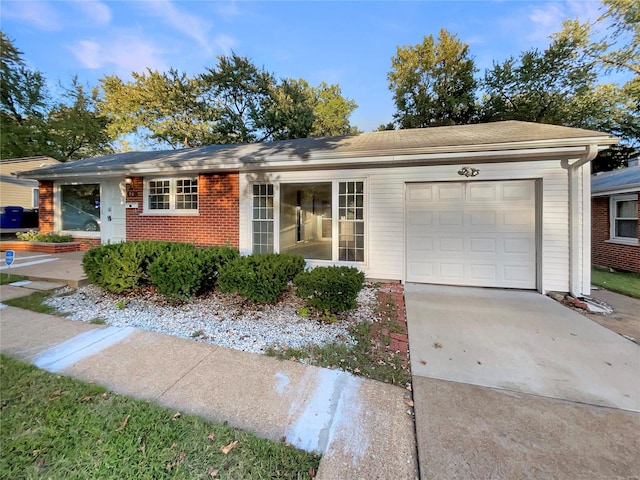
(216,224)
(45,206)
(606,254)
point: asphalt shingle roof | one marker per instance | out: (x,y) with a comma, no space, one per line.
(626,178)
(503,135)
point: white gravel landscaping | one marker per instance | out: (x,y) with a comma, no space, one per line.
(224,320)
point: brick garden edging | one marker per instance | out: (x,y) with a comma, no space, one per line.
(399,342)
(41,247)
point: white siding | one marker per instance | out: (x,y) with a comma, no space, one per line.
(385,214)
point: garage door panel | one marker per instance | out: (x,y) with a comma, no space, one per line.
(420,217)
(451,244)
(424,244)
(482,218)
(482,192)
(517,246)
(517,191)
(483,245)
(518,218)
(478,234)
(446,192)
(452,271)
(420,193)
(450,218)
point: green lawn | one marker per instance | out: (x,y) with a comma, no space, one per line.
(33,302)
(5,278)
(55,427)
(621,282)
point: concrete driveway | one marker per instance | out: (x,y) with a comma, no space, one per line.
(511,384)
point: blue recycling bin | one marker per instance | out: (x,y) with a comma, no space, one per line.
(11,217)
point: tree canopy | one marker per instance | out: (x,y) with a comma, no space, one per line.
(433,83)
(233,102)
(565,84)
(34,125)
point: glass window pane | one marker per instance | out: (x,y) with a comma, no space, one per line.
(81,207)
(305,212)
(627,228)
(627,209)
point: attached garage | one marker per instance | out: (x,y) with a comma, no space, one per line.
(472,233)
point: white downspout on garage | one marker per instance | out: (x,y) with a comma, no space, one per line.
(577,282)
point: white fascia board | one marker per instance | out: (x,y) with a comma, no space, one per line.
(618,190)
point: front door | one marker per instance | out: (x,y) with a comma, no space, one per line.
(112,211)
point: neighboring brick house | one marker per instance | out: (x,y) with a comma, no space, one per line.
(615,214)
(493,205)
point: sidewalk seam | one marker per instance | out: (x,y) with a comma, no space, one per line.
(185,374)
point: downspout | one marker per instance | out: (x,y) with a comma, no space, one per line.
(575,287)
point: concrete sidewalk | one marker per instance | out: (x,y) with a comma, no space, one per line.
(59,267)
(361,426)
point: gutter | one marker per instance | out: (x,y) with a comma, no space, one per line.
(575,233)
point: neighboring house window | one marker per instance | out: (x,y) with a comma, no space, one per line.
(80,206)
(35,198)
(318,220)
(351,221)
(173,195)
(263,218)
(624,218)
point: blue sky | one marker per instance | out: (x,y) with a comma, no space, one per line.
(349,43)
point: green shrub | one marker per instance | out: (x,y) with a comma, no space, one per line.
(330,289)
(260,277)
(177,270)
(35,236)
(120,267)
(211,259)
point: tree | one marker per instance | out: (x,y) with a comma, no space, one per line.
(32,124)
(75,129)
(433,83)
(621,48)
(332,111)
(233,102)
(23,104)
(239,90)
(162,108)
(539,86)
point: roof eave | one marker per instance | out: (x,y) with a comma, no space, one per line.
(497,152)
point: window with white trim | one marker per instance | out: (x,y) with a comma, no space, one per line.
(624,218)
(171,195)
(351,221)
(263,218)
(322,220)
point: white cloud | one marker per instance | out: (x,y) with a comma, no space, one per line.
(184,22)
(120,55)
(97,12)
(39,14)
(546,20)
(224,43)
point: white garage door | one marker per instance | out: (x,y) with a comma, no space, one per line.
(472,233)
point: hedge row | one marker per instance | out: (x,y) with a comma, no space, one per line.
(180,270)
(177,270)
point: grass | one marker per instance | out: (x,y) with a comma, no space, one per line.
(5,278)
(60,428)
(33,302)
(370,356)
(625,283)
